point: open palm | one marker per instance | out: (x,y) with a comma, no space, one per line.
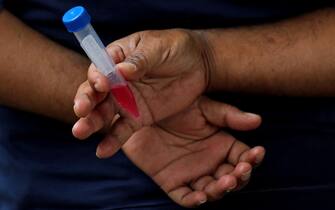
(190,158)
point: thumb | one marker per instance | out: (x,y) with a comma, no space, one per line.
(224,115)
(130,71)
(138,63)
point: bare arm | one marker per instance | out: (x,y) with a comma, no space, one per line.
(37,75)
(294,57)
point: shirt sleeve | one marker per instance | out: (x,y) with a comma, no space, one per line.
(1,4)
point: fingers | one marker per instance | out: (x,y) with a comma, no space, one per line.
(213,188)
(243,158)
(97,119)
(116,52)
(84,127)
(132,62)
(202,182)
(130,71)
(138,54)
(186,197)
(240,152)
(253,156)
(95,110)
(108,147)
(223,169)
(227,178)
(218,187)
(224,115)
(242,173)
(116,137)
(86,99)
(132,59)
(92,103)
(98,82)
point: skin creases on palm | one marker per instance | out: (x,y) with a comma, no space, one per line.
(180,149)
(159,99)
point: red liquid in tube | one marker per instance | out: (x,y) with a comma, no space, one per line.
(125,98)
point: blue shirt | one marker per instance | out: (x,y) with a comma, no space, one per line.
(43,167)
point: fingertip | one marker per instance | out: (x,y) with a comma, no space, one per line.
(115,52)
(217,189)
(251,115)
(254,117)
(244,167)
(107,147)
(98,81)
(194,199)
(243,121)
(97,84)
(254,156)
(79,130)
(99,153)
(128,70)
(227,183)
(201,198)
(75,129)
(259,153)
(82,106)
(75,108)
(101,84)
(244,171)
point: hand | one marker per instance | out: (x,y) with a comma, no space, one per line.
(167,70)
(190,158)
(168,73)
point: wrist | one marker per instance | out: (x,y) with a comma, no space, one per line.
(229,58)
(209,59)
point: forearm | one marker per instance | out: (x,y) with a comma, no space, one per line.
(37,75)
(295,57)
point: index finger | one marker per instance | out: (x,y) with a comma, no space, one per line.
(97,80)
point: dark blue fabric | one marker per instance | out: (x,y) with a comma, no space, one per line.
(43,167)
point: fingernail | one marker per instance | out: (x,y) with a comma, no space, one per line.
(96,84)
(127,66)
(98,152)
(75,105)
(246,176)
(74,128)
(232,187)
(258,160)
(251,115)
(84,98)
(202,201)
(132,67)
(102,150)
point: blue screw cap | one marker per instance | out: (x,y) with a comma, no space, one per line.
(76,19)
